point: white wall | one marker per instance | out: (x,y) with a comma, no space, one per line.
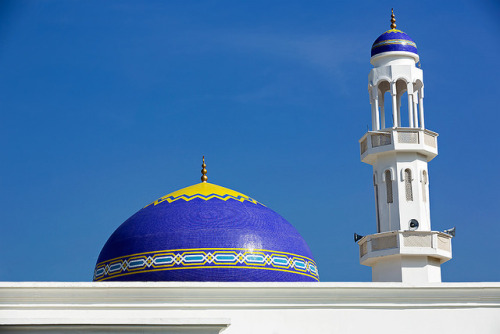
(252,307)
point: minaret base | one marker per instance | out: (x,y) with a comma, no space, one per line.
(405,256)
(407,269)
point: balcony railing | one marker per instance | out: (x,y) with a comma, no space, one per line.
(398,136)
(405,242)
(381,139)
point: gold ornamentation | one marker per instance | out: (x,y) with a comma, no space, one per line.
(393,19)
(204,177)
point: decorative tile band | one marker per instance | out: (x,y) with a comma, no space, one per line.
(205,258)
(395,41)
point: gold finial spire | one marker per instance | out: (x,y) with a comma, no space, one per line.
(204,177)
(393,19)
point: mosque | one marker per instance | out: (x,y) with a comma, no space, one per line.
(208,259)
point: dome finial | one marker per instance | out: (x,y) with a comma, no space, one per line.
(393,19)
(204,177)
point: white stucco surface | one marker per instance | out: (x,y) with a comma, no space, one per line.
(174,307)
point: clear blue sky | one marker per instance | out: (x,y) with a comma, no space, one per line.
(108,105)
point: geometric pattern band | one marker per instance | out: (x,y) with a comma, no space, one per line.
(205,258)
(394,41)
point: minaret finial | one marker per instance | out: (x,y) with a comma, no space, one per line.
(204,177)
(393,19)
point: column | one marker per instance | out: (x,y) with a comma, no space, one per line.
(373,115)
(395,118)
(377,119)
(421,105)
(382,112)
(415,109)
(409,90)
(399,109)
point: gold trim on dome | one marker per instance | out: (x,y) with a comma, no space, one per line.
(392,30)
(205,191)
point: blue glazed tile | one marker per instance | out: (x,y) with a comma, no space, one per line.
(393,40)
(206,238)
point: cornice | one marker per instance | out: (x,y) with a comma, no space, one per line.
(192,295)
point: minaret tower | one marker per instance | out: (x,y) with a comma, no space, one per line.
(404,249)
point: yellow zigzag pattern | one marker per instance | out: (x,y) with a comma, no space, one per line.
(392,30)
(206,198)
(205,191)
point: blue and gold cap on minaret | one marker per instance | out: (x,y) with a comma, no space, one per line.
(206,232)
(393,40)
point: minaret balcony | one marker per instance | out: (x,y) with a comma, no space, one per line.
(417,140)
(411,243)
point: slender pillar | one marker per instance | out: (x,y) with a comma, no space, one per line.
(377,118)
(395,119)
(370,93)
(382,112)
(373,115)
(399,109)
(421,105)
(415,109)
(409,90)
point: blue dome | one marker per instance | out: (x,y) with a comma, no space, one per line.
(393,40)
(206,233)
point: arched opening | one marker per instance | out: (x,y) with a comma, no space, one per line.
(408,183)
(418,104)
(417,85)
(388,185)
(375,185)
(404,109)
(402,103)
(389,118)
(385,103)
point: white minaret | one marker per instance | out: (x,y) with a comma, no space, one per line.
(404,249)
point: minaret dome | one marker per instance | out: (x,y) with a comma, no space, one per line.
(393,43)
